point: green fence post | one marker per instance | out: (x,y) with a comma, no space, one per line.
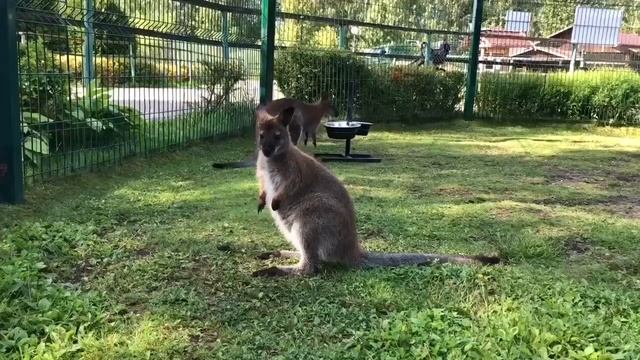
(225,36)
(87,56)
(427,51)
(268,39)
(11,176)
(343,36)
(132,62)
(472,71)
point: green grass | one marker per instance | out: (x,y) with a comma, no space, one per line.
(153,259)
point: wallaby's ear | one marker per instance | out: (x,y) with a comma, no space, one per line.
(285,116)
(262,114)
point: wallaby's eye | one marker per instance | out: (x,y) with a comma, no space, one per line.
(261,135)
(277,135)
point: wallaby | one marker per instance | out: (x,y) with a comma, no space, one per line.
(307,118)
(313,210)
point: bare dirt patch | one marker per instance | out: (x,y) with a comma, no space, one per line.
(575,247)
(573,177)
(625,206)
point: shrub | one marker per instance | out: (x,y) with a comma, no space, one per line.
(71,65)
(43,84)
(111,71)
(382,95)
(221,79)
(93,119)
(307,74)
(408,94)
(147,73)
(609,97)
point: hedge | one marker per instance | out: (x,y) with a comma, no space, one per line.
(116,71)
(410,94)
(605,96)
(307,74)
(383,94)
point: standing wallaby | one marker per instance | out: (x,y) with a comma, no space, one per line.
(307,117)
(313,210)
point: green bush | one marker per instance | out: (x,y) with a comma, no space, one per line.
(221,80)
(410,94)
(307,74)
(43,84)
(93,119)
(382,95)
(608,97)
(112,72)
(148,74)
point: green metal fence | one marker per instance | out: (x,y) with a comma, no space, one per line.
(88,83)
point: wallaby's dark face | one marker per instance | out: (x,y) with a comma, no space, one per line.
(272,132)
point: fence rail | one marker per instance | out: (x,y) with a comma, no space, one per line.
(101,80)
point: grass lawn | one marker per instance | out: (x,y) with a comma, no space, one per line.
(153,259)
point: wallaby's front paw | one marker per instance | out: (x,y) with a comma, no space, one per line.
(275,204)
(262,201)
(261,206)
(269,272)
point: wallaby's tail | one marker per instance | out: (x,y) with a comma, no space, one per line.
(251,162)
(373,259)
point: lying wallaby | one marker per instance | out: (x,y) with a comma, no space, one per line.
(313,210)
(307,117)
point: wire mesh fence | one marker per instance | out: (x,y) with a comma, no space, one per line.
(404,58)
(104,80)
(101,80)
(558,60)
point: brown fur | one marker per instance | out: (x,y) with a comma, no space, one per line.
(312,208)
(307,118)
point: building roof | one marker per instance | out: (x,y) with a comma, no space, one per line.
(494,38)
(624,39)
(630,40)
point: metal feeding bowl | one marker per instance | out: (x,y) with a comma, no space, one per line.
(363,130)
(342,129)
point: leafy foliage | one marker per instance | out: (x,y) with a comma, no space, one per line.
(108,41)
(221,80)
(95,117)
(411,94)
(41,317)
(307,74)
(381,94)
(43,85)
(608,97)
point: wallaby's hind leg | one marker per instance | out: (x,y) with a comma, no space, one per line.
(313,137)
(287,254)
(306,269)
(303,268)
(307,239)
